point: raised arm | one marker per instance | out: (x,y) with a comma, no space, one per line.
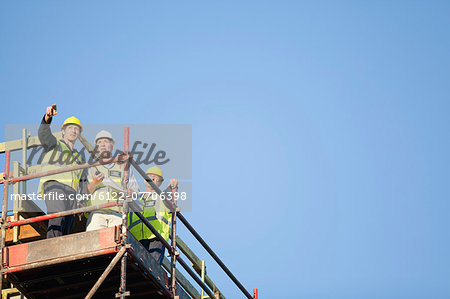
(172,184)
(45,135)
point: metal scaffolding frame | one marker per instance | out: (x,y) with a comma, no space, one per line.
(127,205)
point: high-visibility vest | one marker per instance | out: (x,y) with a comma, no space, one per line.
(162,225)
(105,193)
(59,157)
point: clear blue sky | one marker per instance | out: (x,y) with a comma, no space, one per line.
(320,128)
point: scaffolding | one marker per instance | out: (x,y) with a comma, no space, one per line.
(66,266)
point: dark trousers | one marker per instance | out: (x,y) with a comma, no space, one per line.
(59,226)
(155,247)
(57,200)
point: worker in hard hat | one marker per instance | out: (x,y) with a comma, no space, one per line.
(105,184)
(59,190)
(156,212)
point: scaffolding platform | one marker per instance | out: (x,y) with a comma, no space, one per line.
(86,264)
(69,266)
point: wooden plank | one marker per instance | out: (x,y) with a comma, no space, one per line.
(196,263)
(86,144)
(28,206)
(27,233)
(15,145)
(28,209)
(34,169)
(40,227)
(182,280)
(11,293)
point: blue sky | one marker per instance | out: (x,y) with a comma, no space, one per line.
(320,152)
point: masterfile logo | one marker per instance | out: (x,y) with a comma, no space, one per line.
(168,146)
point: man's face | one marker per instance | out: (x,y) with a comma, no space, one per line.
(156,179)
(71,132)
(104,145)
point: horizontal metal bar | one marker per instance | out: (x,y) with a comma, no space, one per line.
(67,169)
(60,260)
(62,214)
(30,170)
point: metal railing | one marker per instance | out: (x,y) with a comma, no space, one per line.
(127,205)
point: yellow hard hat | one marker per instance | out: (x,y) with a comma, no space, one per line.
(155,170)
(72,121)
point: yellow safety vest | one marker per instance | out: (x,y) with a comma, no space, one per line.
(104,193)
(59,157)
(162,225)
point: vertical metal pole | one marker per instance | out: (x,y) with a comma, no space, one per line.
(123,267)
(24,158)
(17,204)
(173,258)
(4,211)
(16,229)
(126,167)
(126,146)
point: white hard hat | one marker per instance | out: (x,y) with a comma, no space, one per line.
(103,134)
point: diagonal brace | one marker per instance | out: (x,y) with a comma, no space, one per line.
(105,273)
